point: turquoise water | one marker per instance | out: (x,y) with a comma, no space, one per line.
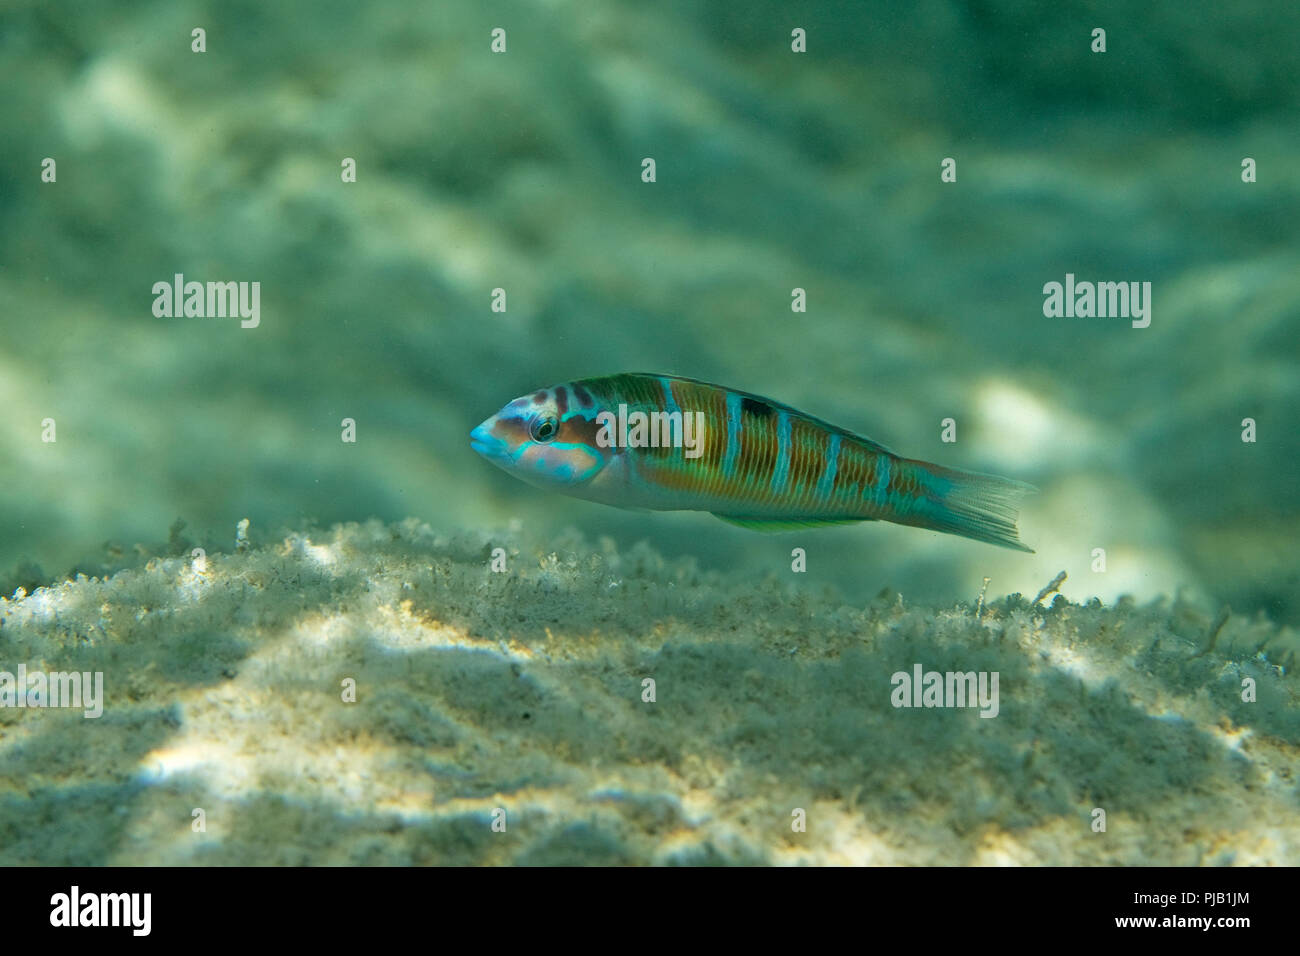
(775,171)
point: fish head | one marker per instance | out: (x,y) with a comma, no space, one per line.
(546,438)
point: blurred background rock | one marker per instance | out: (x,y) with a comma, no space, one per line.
(775,171)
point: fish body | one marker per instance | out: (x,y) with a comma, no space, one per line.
(665,443)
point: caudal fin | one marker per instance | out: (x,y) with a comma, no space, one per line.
(968,503)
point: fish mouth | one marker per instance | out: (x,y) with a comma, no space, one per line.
(485,443)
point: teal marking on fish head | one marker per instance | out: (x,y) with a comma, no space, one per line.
(547,439)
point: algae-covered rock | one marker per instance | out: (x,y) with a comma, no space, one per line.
(379,694)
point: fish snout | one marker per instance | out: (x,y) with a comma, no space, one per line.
(484,440)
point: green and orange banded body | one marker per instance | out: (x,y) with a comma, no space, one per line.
(749,460)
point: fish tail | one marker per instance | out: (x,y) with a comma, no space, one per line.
(967,503)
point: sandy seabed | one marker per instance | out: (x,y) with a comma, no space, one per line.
(517,696)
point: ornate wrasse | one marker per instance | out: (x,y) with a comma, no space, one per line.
(665,443)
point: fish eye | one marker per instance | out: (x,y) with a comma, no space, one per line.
(544,429)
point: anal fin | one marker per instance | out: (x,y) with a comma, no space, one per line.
(785,524)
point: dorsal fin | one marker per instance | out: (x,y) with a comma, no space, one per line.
(819,422)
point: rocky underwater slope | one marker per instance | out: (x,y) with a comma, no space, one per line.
(377,694)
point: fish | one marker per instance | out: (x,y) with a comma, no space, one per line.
(654,442)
